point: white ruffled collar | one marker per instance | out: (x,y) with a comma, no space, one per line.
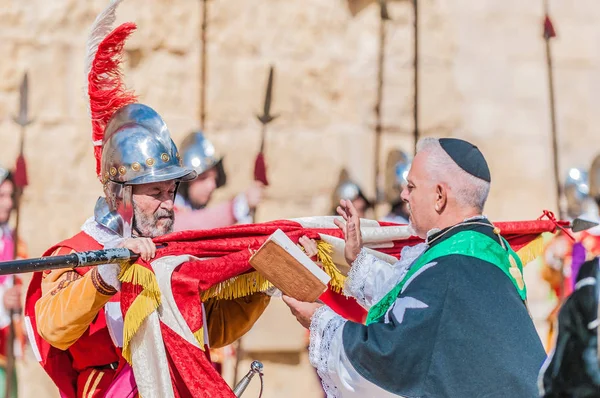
(101,234)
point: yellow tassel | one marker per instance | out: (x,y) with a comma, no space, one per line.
(253,282)
(238,286)
(199,335)
(143,305)
(136,274)
(532,250)
(324,256)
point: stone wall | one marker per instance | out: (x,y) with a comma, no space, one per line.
(483,78)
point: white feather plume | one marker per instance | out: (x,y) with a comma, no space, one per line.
(102,26)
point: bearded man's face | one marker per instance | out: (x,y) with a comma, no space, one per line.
(153,209)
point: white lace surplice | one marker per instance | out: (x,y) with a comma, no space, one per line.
(369,280)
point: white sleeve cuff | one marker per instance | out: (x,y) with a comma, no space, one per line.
(358,276)
(110,274)
(241,209)
(325,327)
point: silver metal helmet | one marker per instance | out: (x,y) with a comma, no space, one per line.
(199,153)
(347,189)
(397,166)
(594,179)
(4,174)
(577,191)
(137,149)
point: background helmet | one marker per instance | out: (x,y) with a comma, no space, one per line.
(397,166)
(199,154)
(347,189)
(5,174)
(594,179)
(576,191)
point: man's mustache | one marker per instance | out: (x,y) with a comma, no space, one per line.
(163,213)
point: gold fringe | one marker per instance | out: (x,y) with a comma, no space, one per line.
(199,335)
(324,256)
(144,304)
(238,286)
(253,282)
(532,250)
(141,276)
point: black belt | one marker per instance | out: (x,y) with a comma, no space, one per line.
(110,366)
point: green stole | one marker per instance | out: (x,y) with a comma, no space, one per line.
(465,243)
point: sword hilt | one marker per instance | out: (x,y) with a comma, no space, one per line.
(256,367)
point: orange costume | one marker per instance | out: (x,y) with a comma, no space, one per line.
(78,313)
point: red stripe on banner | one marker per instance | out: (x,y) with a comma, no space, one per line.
(192,373)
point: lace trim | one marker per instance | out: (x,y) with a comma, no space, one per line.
(241,209)
(107,238)
(355,282)
(109,273)
(323,327)
(101,234)
(102,284)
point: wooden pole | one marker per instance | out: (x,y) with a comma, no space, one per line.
(416,74)
(203,61)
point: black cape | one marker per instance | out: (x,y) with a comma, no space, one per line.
(475,338)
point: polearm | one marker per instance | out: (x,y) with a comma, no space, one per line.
(260,174)
(260,167)
(20,182)
(74,260)
(416,74)
(123,255)
(383,18)
(20,172)
(549,33)
(203,29)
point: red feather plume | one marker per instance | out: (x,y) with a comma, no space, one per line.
(106,89)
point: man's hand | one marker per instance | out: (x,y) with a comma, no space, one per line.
(12,298)
(310,247)
(301,310)
(351,229)
(142,246)
(254,194)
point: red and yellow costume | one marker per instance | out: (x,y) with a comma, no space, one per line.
(563,256)
(82,357)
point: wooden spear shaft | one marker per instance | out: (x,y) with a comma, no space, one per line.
(203,28)
(416,74)
(378,111)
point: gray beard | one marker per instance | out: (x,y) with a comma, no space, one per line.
(146,225)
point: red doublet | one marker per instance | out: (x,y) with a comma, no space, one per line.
(94,349)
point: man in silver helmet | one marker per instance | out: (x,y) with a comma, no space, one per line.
(78,311)
(347,189)
(573,367)
(398,165)
(562,256)
(10,288)
(193,197)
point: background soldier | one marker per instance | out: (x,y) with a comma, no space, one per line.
(347,189)
(10,288)
(397,167)
(199,153)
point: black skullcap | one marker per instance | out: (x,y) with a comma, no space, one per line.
(467,156)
